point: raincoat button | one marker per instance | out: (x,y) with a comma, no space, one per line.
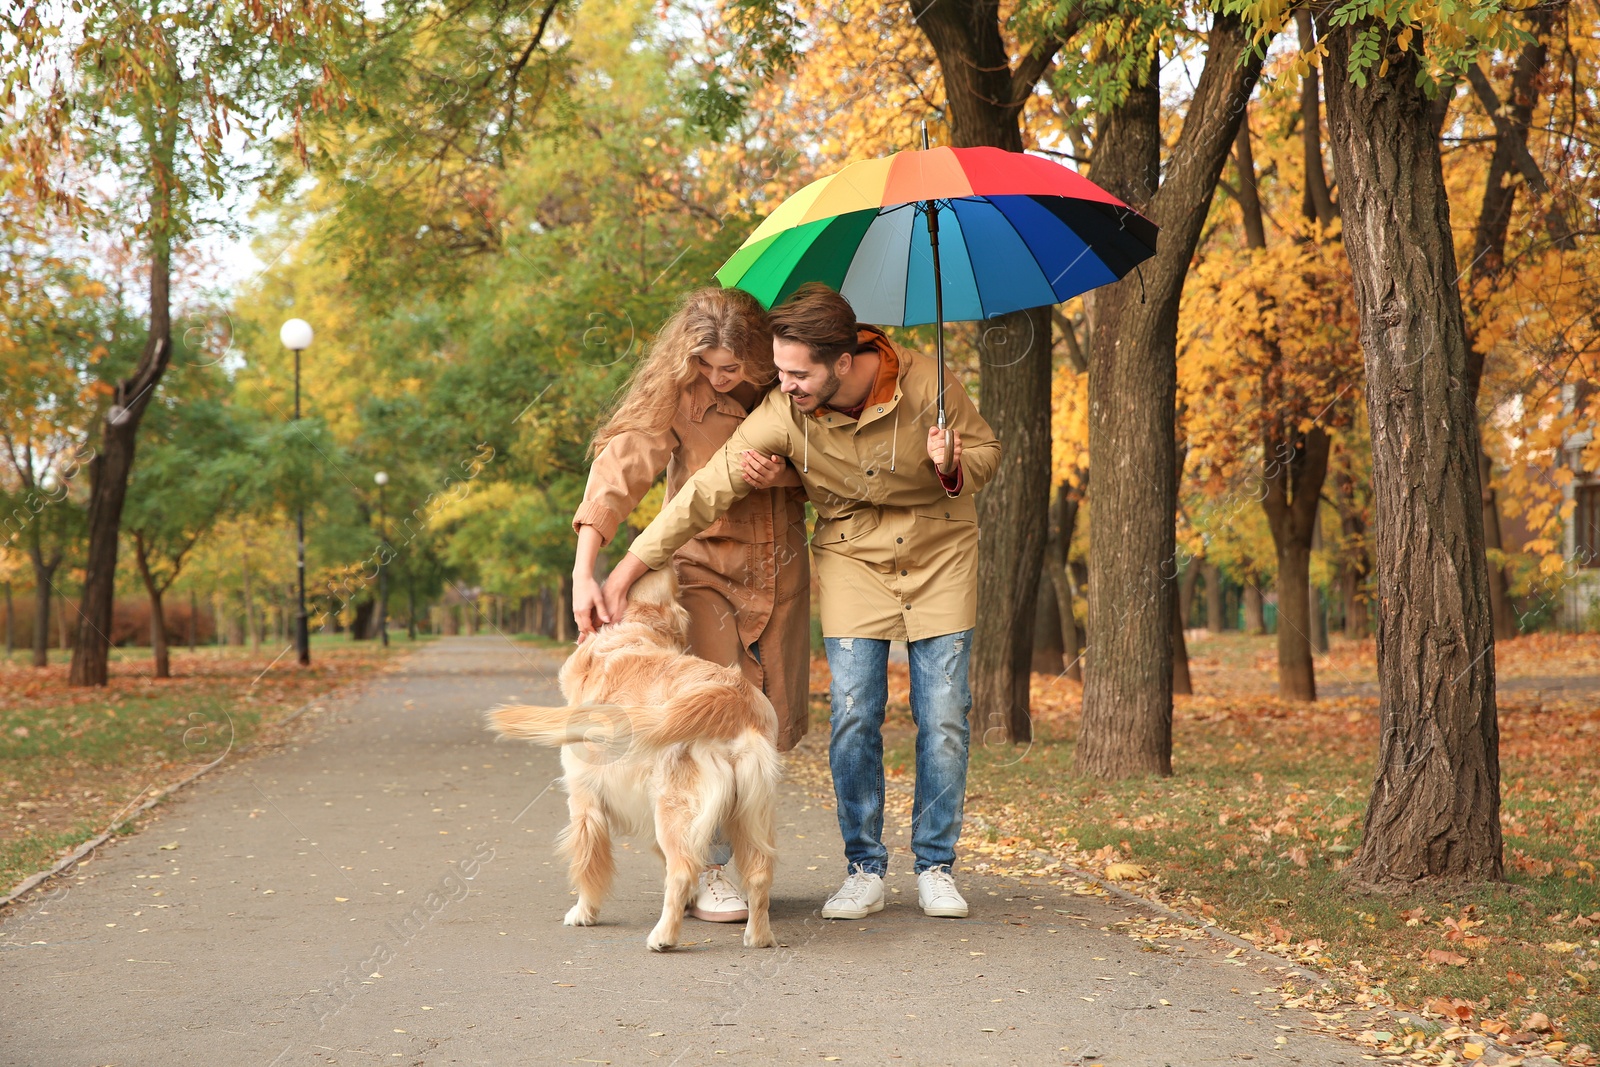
(902,574)
(880,410)
(899,540)
(871,473)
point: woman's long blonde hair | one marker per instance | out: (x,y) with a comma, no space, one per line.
(708,318)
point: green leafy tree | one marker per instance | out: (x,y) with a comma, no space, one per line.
(151,94)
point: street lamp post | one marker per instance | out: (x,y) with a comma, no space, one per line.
(382,478)
(296,336)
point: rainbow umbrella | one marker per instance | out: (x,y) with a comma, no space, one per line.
(1018,231)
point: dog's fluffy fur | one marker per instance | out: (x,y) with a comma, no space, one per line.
(657,742)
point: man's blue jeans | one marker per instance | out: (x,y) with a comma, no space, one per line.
(940,700)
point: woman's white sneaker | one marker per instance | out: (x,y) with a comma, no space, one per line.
(718,900)
(938,896)
(860,896)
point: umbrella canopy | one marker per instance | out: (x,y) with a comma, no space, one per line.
(1014,231)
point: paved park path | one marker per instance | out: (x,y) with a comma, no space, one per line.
(382,890)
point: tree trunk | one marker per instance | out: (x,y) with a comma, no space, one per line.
(158,619)
(1244,162)
(1296,678)
(1216,618)
(1127,699)
(11,625)
(1435,804)
(113,461)
(1058,551)
(44,571)
(250,623)
(194,621)
(1500,606)
(1255,616)
(41,616)
(1180,648)
(985,100)
(1047,639)
(1296,465)
(565,626)
(1319,611)
(1186,588)
(1181,685)
(361,627)
(1355,562)
(1510,160)
(411,612)
(1317,201)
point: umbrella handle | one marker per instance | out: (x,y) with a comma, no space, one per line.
(948,464)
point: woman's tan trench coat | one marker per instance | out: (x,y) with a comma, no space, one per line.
(753,558)
(896,555)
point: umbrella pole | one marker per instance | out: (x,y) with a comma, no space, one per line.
(938,312)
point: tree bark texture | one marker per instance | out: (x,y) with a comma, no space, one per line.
(1127,703)
(984,99)
(113,462)
(1435,804)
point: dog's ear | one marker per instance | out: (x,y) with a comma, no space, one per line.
(658,587)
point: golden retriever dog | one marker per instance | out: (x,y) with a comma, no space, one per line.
(655,742)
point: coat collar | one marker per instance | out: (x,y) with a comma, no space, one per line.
(885,387)
(700,398)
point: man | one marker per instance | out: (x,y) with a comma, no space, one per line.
(896,553)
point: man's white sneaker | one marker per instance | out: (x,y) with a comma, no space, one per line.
(860,896)
(717,900)
(938,896)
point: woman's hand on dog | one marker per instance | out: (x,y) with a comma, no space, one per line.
(588,606)
(615,594)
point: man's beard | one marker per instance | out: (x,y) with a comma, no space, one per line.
(824,394)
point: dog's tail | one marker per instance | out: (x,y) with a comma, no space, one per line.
(698,712)
(573,725)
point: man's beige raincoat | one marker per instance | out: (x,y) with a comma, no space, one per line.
(746,579)
(896,554)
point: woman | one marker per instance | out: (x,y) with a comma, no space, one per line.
(746,580)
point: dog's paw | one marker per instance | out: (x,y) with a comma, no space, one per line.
(661,941)
(753,940)
(578,915)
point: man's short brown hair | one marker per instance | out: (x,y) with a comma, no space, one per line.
(819,318)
